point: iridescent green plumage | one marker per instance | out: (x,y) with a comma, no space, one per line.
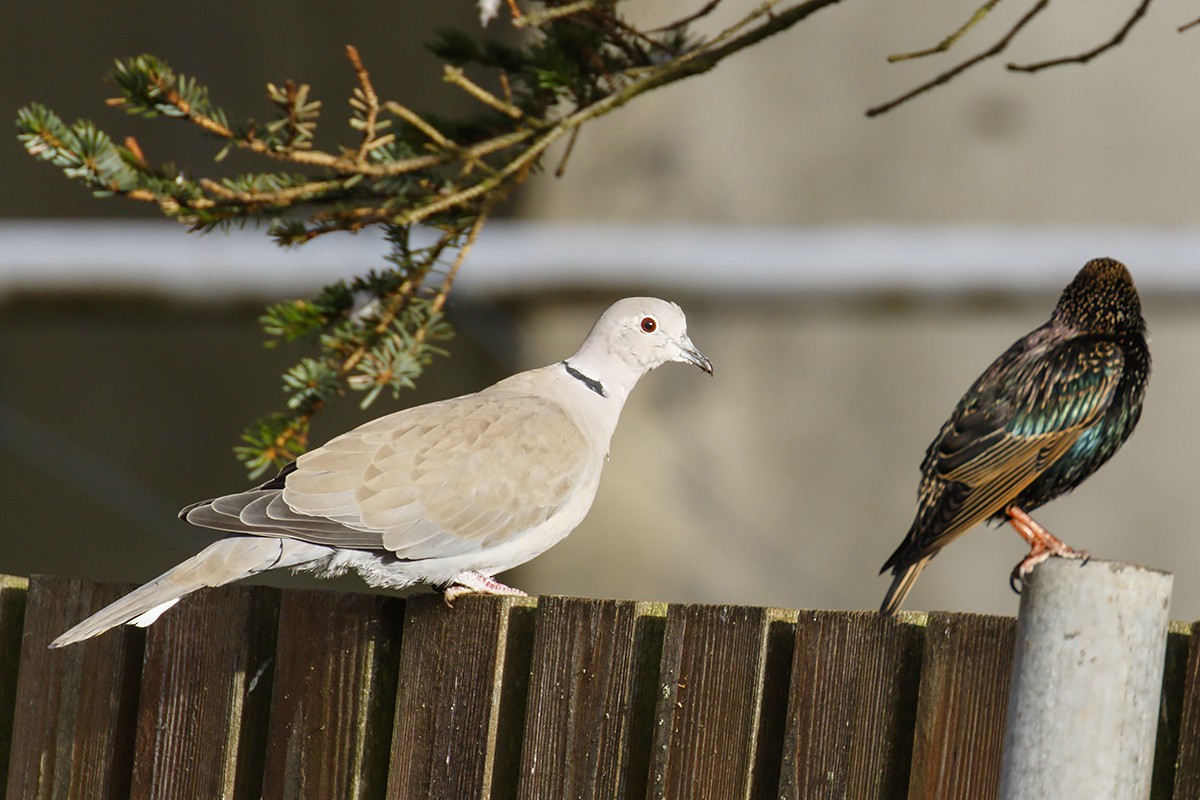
(1042,418)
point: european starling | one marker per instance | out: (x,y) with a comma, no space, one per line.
(1042,418)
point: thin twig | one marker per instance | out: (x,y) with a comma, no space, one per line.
(457,77)
(994,50)
(185,108)
(370,102)
(1191,24)
(504,84)
(439,300)
(281,197)
(135,150)
(949,41)
(562,164)
(536,19)
(417,121)
(1083,58)
(489,184)
(704,11)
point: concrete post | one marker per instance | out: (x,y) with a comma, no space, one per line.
(1087,678)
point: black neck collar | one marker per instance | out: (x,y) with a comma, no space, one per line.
(591,383)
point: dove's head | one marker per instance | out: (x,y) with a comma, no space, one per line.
(637,334)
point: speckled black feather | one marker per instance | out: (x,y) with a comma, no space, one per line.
(1043,417)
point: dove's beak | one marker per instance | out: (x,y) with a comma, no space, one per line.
(693,356)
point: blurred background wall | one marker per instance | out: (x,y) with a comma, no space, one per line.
(848,276)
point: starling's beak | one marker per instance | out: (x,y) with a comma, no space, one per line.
(693,356)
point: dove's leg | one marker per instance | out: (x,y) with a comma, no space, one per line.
(1042,545)
(470,582)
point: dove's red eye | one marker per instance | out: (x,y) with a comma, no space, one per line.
(649,324)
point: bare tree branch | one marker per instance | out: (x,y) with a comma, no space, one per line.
(949,41)
(703,11)
(992,51)
(1083,58)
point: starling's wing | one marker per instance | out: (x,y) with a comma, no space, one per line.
(1006,433)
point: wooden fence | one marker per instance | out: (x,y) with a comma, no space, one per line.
(248,692)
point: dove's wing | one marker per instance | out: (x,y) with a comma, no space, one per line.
(459,476)
(444,479)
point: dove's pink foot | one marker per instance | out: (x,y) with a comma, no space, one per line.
(1042,545)
(470,582)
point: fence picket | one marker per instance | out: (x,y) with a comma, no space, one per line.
(965,674)
(1187,763)
(853,706)
(75,707)
(13,592)
(333,696)
(582,739)
(452,738)
(206,683)
(710,704)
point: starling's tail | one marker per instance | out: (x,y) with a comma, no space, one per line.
(220,563)
(902,584)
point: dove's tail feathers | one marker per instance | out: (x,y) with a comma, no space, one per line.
(902,584)
(222,562)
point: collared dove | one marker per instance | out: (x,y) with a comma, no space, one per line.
(448,493)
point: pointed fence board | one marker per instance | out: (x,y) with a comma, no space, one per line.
(594,665)
(965,674)
(333,696)
(13,592)
(1187,763)
(75,707)
(852,706)
(205,692)
(460,698)
(1174,688)
(712,686)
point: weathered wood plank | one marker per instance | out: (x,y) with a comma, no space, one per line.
(1166,740)
(710,706)
(333,696)
(206,688)
(773,704)
(461,696)
(13,592)
(579,740)
(76,706)
(965,675)
(853,705)
(1187,763)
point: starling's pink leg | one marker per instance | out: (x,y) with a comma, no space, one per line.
(469,582)
(1042,545)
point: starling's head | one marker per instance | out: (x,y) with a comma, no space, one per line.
(1101,299)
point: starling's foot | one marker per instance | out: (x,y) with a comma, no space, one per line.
(475,583)
(1042,545)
